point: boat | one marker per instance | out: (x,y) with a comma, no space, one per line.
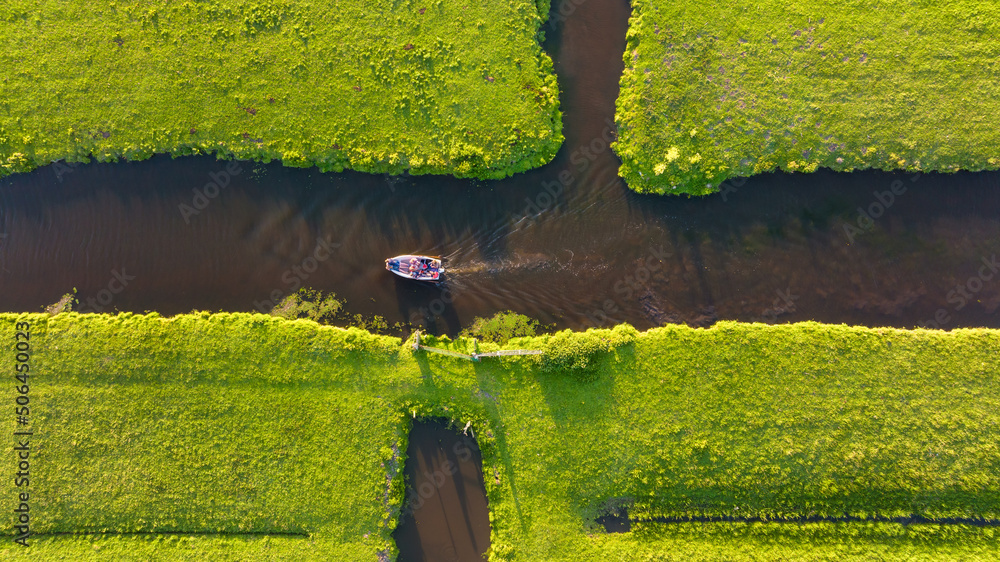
(418,268)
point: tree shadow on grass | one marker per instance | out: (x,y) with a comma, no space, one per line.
(578,398)
(585,412)
(497,452)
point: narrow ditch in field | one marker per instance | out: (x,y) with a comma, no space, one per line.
(445,516)
(619,521)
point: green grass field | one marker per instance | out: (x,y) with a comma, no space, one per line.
(238,436)
(716,91)
(437,87)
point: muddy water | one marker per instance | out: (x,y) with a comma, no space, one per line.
(445,517)
(567,243)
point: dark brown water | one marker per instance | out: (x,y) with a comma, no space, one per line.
(445,517)
(567,244)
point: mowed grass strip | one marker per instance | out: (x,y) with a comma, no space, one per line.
(437,87)
(247,425)
(716,91)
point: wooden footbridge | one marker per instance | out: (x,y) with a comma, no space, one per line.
(475,357)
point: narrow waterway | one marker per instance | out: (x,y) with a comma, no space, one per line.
(445,517)
(567,243)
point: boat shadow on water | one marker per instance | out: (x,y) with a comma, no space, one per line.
(424,303)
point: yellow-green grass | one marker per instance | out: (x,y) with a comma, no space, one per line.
(200,435)
(683,542)
(713,91)
(435,87)
(194,548)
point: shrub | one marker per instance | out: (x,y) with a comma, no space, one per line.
(502,327)
(577,352)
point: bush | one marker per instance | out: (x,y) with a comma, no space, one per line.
(577,352)
(502,327)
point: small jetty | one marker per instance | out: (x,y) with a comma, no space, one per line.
(475,357)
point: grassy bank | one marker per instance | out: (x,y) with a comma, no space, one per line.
(219,426)
(209,427)
(712,92)
(442,87)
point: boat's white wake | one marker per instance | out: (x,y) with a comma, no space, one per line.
(514,263)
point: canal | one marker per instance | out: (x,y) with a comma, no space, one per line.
(568,243)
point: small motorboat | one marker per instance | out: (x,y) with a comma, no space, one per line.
(419,268)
